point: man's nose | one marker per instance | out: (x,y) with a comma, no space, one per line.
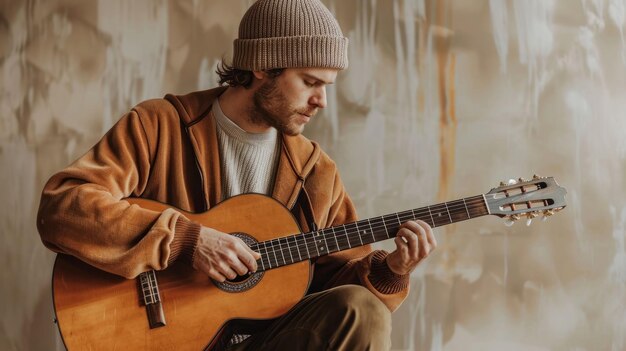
(319,98)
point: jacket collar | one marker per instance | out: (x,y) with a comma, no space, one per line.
(297,158)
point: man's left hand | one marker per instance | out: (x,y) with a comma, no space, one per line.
(414,241)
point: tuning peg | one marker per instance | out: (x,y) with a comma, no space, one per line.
(512,181)
(536,176)
(547,214)
(511,220)
(521,180)
(530,218)
(502,183)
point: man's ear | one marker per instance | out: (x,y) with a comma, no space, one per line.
(260,75)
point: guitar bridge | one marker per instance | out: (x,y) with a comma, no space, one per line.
(152,299)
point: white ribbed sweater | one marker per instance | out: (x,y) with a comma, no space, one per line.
(248,160)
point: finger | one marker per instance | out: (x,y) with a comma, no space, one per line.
(402,247)
(412,242)
(248,258)
(237,265)
(226,271)
(422,229)
(217,276)
(430,236)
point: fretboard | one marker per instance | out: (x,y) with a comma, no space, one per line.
(295,248)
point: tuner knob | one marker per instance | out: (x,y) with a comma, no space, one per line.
(530,218)
(536,176)
(515,217)
(522,179)
(509,222)
(512,181)
(502,183)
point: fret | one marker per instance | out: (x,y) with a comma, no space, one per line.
(328,236)
(270,257)
(265,256)
(438,214)
(448,210)
(466,210)
(354,231)
(260,259)
(288,249)
(320,243)
(280,248)
(432,220)
(306,245)
(358,232)
(315,244)
(385,226)
(295,239)
(371,230)
(347,238)
(335,236)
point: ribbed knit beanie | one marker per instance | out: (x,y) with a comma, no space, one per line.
(289,33)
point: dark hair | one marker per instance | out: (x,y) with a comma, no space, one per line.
(234,77)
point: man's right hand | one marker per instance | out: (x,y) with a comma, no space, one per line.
(223,256)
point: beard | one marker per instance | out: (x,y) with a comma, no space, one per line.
(271,107)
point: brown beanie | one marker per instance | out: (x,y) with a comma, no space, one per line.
(289,33)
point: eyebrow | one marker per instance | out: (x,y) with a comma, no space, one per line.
(310,76)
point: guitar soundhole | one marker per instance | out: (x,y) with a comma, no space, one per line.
(241,283)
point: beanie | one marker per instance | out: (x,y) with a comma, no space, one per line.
(289,34)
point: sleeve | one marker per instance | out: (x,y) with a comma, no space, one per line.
(360,265)
(82,213)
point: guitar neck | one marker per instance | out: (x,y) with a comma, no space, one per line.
(295,248)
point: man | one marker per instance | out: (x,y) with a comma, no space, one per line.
(196,150)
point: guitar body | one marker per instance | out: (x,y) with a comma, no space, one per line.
(96,310)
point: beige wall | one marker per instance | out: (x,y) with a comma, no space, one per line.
(443,100)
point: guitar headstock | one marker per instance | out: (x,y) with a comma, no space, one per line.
(526,199)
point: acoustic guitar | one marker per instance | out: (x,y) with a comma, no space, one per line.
(180,308)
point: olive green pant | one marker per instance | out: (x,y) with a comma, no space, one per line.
(348,317)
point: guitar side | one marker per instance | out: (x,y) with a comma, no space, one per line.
(96,310)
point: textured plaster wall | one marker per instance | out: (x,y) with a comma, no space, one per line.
(443,99)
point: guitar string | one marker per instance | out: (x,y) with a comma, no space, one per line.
(304,240)
(410,213)
(377,220)
(308,239)
(476,202)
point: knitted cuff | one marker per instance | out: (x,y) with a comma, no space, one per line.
(383,278)
(185,241)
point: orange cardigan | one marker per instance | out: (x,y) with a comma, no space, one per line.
(166,150)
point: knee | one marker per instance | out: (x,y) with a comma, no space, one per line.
(363,307)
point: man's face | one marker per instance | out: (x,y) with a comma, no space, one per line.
(289,101)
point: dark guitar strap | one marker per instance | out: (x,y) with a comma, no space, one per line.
(304,203)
